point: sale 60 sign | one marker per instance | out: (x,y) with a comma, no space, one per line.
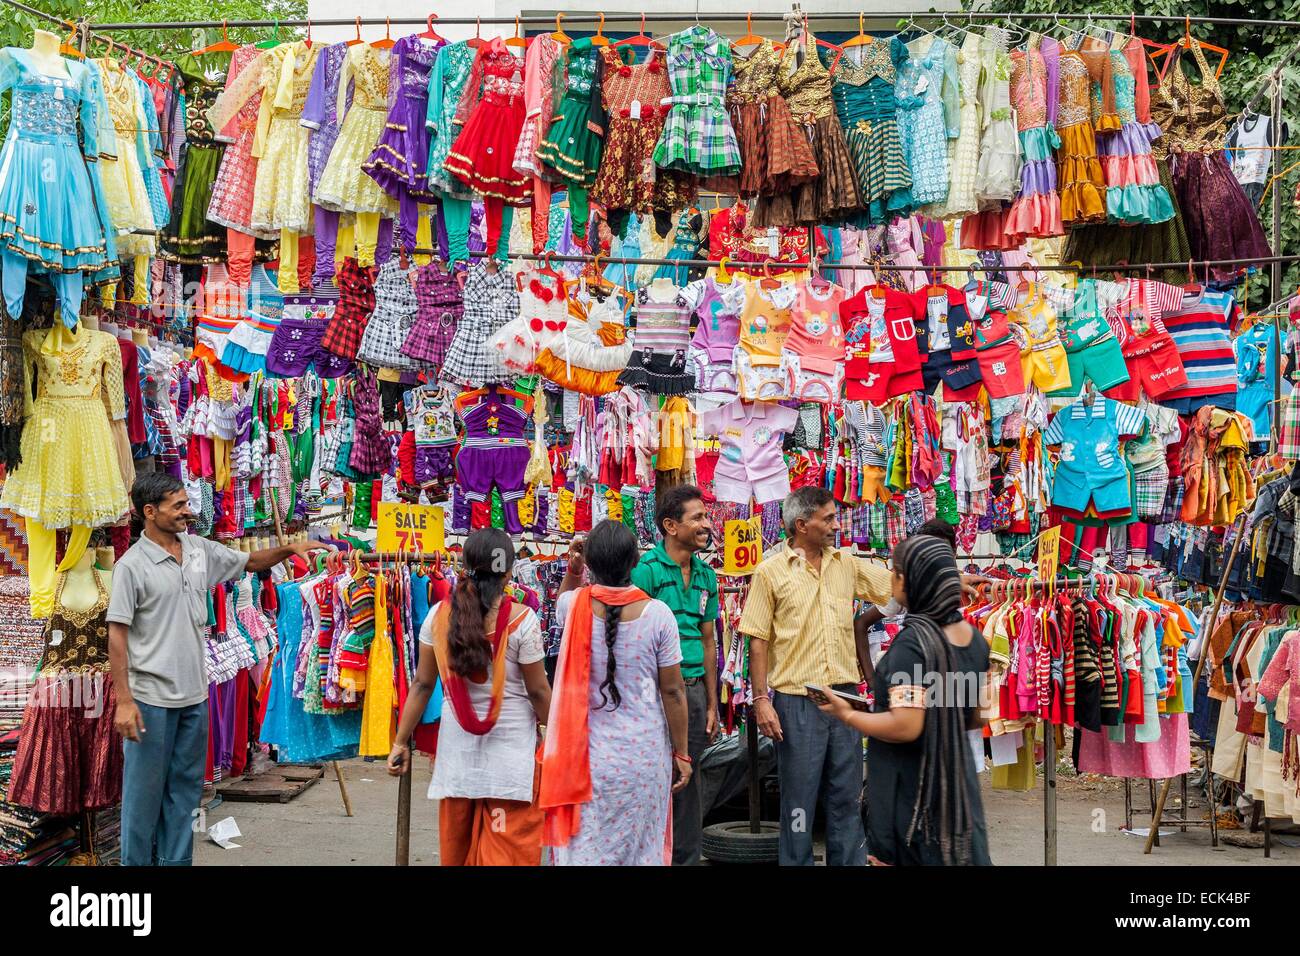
(410,529)
(742,545)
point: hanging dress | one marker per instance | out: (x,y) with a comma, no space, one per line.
(775,155)
(281,199)
(344,185)
(963,152)
(52,229)
(1161,241)
(1134,193)
(447,81)
(120,172)
(232,190)
(926,91)
(1082,186)
(805,83)
(492,108)
(1220,221)
(867,110)
(628,179)
(698,136)
(1036,211)
(190,237)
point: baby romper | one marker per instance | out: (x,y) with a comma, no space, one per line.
(494,451)
(946,336)
(996,348)
(712,354)
(881,359)
(1043,359)
(394,315)
(751,463)
(1092,469)
(296,343)
(660,341)
(1091,349)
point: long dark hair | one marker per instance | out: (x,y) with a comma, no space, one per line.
(487,558)
(942,813)
(611,553)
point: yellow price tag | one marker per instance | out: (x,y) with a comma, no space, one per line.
(742,548)
(1049,556)
(410,529)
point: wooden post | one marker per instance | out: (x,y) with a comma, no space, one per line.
(1159,812)
(404,815)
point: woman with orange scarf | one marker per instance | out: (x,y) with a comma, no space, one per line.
(616,742)
(486,767)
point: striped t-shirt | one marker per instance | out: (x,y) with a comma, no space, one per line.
(1200,331)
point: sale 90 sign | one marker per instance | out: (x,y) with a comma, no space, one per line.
(742,546)
(410,529)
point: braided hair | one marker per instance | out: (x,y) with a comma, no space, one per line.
(611,553)
(488,557)
(942,813)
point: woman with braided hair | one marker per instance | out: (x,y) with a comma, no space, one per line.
(923,798)
(616,743)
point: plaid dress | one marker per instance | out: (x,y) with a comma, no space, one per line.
(698,136)
(490,302)
(356,302)
(392,320)
(438,310)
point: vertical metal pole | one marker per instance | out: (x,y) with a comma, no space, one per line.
(751,738)
(1240,527)
(1049,795)
(1275,138)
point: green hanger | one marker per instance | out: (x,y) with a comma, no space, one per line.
(273,42)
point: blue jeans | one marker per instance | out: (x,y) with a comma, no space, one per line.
(162,783)
(818,756)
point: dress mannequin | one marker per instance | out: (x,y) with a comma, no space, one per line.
(45,54)
(79,590)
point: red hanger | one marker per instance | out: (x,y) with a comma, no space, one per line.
(221,46)
(357,40)
(477,40)
(387,42)
(641,39)
(431,33)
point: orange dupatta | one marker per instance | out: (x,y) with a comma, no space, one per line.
(566,755)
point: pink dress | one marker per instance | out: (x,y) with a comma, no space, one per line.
(1037,209)
(1170,756)
(232,192)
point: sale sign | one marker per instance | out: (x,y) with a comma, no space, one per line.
(1049,556)
(742,547)
(410,529)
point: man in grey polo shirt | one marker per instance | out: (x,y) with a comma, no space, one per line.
(156,618)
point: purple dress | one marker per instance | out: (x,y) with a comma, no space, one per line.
(399,162)
(320,115)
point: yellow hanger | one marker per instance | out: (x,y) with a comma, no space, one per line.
(723,277)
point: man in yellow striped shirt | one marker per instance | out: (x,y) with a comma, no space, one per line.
(799,617)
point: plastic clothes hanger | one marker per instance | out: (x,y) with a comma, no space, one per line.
(357,38)
(750,38)
(518,39)
(387,42)
(221,46)
(430,33)
(641,39)
(559,36)
(273,42)
(600,39)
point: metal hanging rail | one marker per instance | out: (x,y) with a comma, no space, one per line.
(716,17)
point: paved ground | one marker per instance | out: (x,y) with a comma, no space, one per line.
(313,829)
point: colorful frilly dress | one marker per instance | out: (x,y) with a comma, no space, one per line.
(1079,173)
(775,155)
(492,110)
(53,122)
(400,160)
(236,125)
(572,145)
(344,185)
(805,82)
(865,104)
(281,199)
(1134,193)
(1037,209)
(447,81)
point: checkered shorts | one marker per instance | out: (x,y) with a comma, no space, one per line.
(356,303)
(1150,488)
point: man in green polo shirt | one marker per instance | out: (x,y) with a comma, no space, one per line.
(674,573)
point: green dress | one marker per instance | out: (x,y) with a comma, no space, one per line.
(572,145)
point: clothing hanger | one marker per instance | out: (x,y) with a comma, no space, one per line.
(273,42)
(641,39)
(477,40)
(750,38)
(430,33)
(387,42)
(517,40)
(357,38)
(600,39)
(559,36)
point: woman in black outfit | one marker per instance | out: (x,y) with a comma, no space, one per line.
(923,798)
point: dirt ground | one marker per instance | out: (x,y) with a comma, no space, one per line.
(313,830)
